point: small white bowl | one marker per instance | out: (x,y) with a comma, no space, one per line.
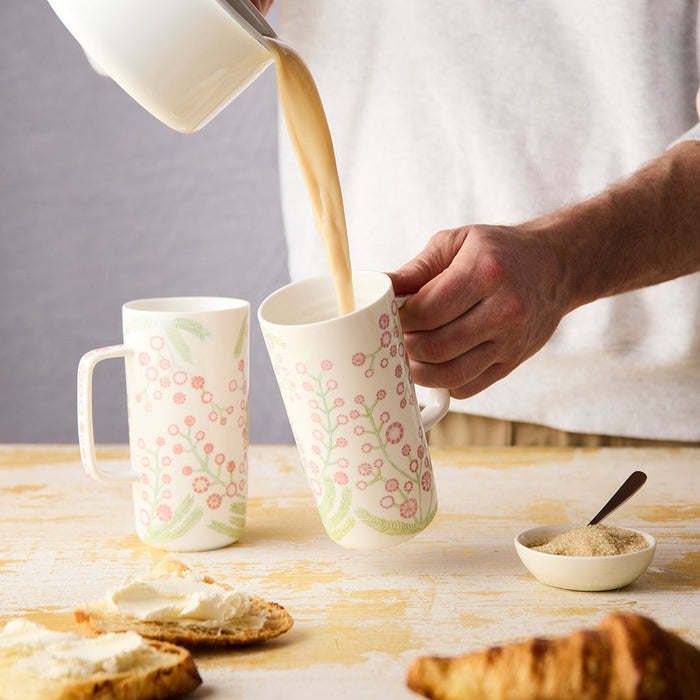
(581,573)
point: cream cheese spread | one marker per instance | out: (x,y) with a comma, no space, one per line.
(48,654)
(187,600)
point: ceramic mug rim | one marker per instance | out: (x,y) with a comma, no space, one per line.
(185,304)
(360,278)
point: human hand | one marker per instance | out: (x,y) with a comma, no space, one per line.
(262,5)
(485,298)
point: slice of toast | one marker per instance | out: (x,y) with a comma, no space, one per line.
(261,621)
(161,671)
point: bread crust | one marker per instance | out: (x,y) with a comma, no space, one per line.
(277,621)
(627,657)
(173,674)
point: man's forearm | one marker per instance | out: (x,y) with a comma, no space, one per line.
(641,231)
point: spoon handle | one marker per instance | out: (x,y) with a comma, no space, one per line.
(632,484)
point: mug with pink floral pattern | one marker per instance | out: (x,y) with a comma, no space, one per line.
(186,361)
(352,406)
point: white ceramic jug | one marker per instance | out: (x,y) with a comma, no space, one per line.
(182,60)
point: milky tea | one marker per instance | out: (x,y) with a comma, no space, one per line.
(311,140)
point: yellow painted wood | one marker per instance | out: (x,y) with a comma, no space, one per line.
(361,617)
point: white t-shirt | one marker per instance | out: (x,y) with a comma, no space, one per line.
(449,113)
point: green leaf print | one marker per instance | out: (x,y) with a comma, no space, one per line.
(233,532)
(394,528)
(338,533)
(185,517)
(342,511)
(192,327)
(138,324)
(241,338)
(178,344)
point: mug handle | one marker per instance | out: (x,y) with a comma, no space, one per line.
(438,400)
(86,436)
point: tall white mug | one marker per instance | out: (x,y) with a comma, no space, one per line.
(352,406)
(186,362)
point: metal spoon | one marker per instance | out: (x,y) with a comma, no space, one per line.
(632,484)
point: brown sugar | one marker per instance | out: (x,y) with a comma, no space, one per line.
(593,541)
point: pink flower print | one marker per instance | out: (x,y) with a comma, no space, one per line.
(394,307)
(317,434)
(144,517)
(361,485)
(233,385)
(197,382)
(341,419)
(229,410)
(179,377)
(167,494)
(179,398)
(398,371)
(199,435)
(313,403)
(385,339)
(359,399)
(189,421)
(301,368)
(365,469)
(409,508)
(384,362)
(340,478)
(213,500)
(408,487)
(241,365)
(358,359)
(223,421)
(378,463)
(207,397)
(241,421)
(151,374)
(166,461)
(354,414)
(406,450)
(231,466)
(200,484)
(393,351)
(164,512)
(213,416)
(366,448)
(413,465)
(369,373)
(387,502)
(339,402)
(391,485)
(326,365)
(402,403)
(160,441)
(157,395)
(394,433)
(420,451)
(241,485)
(164,382)
(157,342)
(384,321)
(426,481)
(343,463)
(396,331)
(331,385)
(384,416)
(208,448)
(381,394)
(316,450)
(402,349)
(219,459)
(400,388)
(359,430)
(144,476)
(166,478)
(164,363)
(144,358)
(341,442)
(231,490)
(313,467)
(187,470)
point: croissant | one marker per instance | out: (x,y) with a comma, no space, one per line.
(627,657)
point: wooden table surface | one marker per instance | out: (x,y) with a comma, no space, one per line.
(361,617)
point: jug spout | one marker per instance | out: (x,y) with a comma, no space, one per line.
(184,62)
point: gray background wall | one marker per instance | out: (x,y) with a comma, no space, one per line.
(99,204)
